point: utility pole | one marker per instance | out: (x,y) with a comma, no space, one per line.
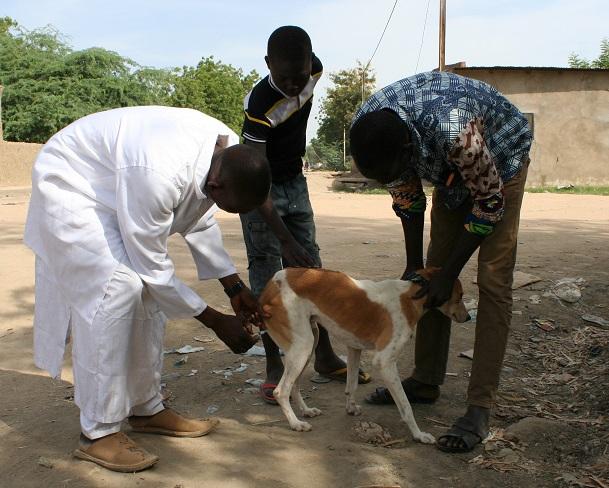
(1,133)
(442,43)
(344,148)
(363,81)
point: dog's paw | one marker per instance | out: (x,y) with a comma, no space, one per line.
(301,426)
(425,438)
(354,409)
(311,412)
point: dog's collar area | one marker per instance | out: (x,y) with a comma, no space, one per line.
(415,278)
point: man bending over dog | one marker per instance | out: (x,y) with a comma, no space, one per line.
(282,231)
(107,191)
(473,145)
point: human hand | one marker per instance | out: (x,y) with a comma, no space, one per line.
(229,330)
(438,290)
(248,309)
(294,255)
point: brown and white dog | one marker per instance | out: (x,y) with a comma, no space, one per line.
(378,316)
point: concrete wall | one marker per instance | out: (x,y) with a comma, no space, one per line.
(570,116)
(16,160)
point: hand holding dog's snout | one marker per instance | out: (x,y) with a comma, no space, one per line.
(438,290)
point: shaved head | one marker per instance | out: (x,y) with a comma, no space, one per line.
(241,180)
(289,43)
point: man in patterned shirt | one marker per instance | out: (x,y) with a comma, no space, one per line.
(282,231)
(472,144)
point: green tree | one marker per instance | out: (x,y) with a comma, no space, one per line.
(326,156)
(342,100)
(214,88)
(6,23)
(602,62)
(48,85)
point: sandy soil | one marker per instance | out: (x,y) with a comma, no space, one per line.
(561,236)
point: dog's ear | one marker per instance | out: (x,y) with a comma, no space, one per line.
(428,272)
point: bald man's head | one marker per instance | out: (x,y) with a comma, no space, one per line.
(239,179)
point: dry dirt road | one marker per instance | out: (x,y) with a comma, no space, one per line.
(562,440)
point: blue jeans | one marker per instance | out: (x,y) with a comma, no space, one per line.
(291,199)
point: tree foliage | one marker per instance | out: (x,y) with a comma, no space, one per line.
(349,88)
(326,156)
(342,100)
(214,88)
(602,62)
(48,85)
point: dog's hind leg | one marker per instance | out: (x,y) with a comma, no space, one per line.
(353,357)
(295,360)
(390,374)
(307,411)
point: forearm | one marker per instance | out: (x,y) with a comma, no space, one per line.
(208,317)
(413,238)
(466,245)
(273,220)
(230,280)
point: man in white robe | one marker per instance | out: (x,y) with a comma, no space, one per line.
(107,191)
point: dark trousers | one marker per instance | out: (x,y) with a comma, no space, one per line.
(496,260)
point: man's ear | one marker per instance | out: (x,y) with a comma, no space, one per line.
(221,141)
(266,60)
(213,183)
(221,144)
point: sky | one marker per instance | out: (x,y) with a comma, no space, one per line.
(167,33)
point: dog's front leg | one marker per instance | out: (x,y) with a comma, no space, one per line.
(353,359)
(389,372)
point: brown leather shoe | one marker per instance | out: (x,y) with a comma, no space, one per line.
(170,422)
(116,452)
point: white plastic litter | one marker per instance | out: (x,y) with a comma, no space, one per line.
(188,349)
(255,351)
(567,289)
(228,371)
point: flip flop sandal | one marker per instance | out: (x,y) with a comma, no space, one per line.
(467,432)
(382,396)
(341,375)
(266,393)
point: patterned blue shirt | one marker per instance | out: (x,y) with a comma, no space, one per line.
(469,139)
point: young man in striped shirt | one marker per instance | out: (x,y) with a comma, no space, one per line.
(281,232)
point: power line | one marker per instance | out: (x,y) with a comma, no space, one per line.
(376,48)
(422,37)
(383,33)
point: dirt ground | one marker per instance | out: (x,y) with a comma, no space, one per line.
(553,398)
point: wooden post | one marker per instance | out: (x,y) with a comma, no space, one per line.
(442,63)
(344,148)
(1,133)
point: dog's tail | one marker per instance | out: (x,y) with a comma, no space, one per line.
(315,329)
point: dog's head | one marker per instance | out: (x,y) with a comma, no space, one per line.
(454,308)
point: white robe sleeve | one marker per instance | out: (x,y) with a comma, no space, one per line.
(207,248)
(145,203)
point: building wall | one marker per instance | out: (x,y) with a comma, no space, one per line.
(570,111)
(16,160)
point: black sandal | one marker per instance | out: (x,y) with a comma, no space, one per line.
(382,396)
(469,433)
